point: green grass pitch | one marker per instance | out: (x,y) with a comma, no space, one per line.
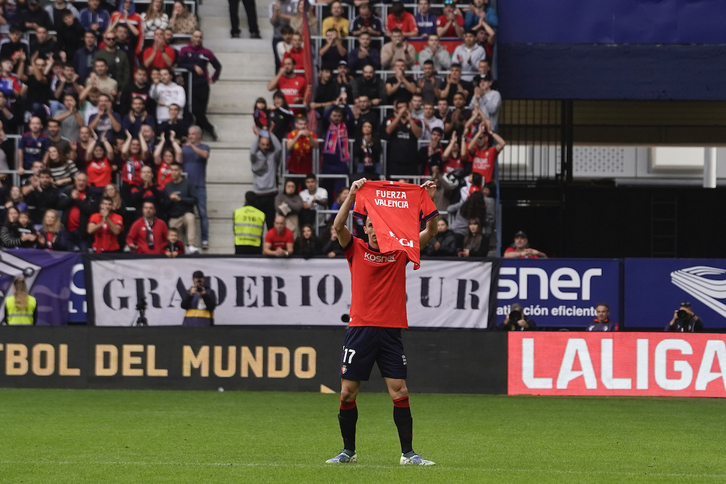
(253,437)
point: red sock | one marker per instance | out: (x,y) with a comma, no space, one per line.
(401,403)
(348,405)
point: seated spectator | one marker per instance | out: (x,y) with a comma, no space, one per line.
(430,122)
(344,79)
(333,51)
(475,243)
(428,84)
(98,166)
(456,119)
(165,156)
(327,92)
(34,16)
(118,204)
(430,155)
(488,100)
(363,113)
(173,247)
(425,20)
(182,21)
(105,227)
(479,11)
(83,56)
(444,189)
(106,122)
(602,321)
(55,12)
(402,133)
(279,240)
(16,48)
(400,19)
(314,198)
(288,203)
(32,182)
(398,49)
(89,105)
(28,234)
(520,249)
(285,44)
(293,86)
(62,170)
(300,144)
(94,18)
(486,38)
(166,92)
(297,50)
(330,245)
(400,87)
(175,124)
(454,84)
(367,152)
(159,54)
(444,243)
(53,236)
(369,85)
(296,21)
(181,198)
(33,146)
(483,155)
(336,21)
(15,199)
(451,23)
(367,22)
(484,69)
(9,234)
(468,56)
(307,244)
(138,88)
(78,205)
(517,321)
(137,117)
(44,46)
(364,54)
(154,19)
(37,98)
(148,234)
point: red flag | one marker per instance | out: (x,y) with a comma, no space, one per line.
(309,67)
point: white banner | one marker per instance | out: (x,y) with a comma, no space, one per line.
(252,291)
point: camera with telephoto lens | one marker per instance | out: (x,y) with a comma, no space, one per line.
(141,305)
(682,315)
(515,316)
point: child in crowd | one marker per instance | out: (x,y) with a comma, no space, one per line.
(174,247)
(263,121)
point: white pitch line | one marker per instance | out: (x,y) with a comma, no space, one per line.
(358,466)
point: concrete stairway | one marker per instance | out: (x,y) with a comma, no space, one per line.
(247,66)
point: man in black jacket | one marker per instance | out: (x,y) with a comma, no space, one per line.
(43,198)
(684,320)
(78,204)
(181,197)
(444,243)
(199,303)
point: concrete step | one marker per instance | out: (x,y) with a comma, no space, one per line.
(229,166)
(234,130)
(246,66)
(223,240)
(224,198)
(237,97)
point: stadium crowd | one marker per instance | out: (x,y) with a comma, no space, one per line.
(408,95)
(102,109)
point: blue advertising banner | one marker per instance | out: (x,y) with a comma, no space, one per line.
(48,277)
(559,292)
(77,305)
(655,288)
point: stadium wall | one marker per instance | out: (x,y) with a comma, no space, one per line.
(234,358)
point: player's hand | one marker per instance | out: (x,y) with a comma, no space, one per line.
(430,187)
(357,185)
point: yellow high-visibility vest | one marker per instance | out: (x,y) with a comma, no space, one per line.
(16,316)
(248,225)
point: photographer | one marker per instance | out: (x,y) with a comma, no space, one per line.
(684,320)
(199,302)
(517,321)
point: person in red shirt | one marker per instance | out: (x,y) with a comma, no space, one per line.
(300,144)
(399,18)
(451,23)
(293,86)
(483,156)
(174,247)
(520,249)
(279,240)
(98,167)
(159,55)
(148,234)
(105,226)
(377,316)
(297,52)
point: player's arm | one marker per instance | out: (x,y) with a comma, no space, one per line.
(431,226)
(341,229)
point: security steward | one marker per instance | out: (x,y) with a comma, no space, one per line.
(21,308)
(249,227)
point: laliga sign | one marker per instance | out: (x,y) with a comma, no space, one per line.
(636,364)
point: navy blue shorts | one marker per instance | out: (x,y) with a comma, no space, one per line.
(366,345)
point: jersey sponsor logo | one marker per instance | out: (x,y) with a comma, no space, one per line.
(403,242)
(379,258)
(707,284)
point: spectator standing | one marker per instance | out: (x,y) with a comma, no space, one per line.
(289,204)
(249,225)
(369,85)
(486,38)
(265,154)
(428,85)
(451,23)
(484,156)
(314,198)
(70,35)
(297,21)
(488,100)
(400,87)
(37,98)
(454,84)
(327,92)
(138,88)
(425,20)
(78,204)
(367,152)
(364,54)
(159,54)
(148,234)
(478,11)
(52,235)
(62,170)
(196,156)
(251,11)
(9,235)
(164,157)
(33,16)
(44,197)
(430,154)
(333,51)
(16,48)
(300,144)
(55,12)
(457,118)
(166,92)
(293,86)
(468,56)
(137,117)
(134,155)
(279,241)
(99,79)
(33,146)
(402,133)
(181,197)
(398,49)
(296,51)
(44,46)
(280,13)
(98,166)
(336,21)
(336,149)
(83,57)
(21,308)
(197,59)
(367,22)
(106,122)
(67,83)
(154,18)
(117,62)
(363,113)
(105,226)
(126,15)
(283,44)
(430,122)
(94,18)
(400,19)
